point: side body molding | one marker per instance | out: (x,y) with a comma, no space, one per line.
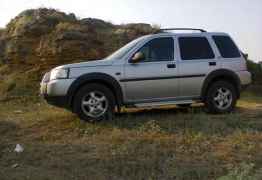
(102,78)
(221,74)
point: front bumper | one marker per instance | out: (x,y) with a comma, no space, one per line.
(55,92)
(59,101)
(57,87)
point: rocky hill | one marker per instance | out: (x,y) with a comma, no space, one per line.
(47,37)
(39,39)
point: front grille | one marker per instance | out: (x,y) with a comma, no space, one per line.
(46,77)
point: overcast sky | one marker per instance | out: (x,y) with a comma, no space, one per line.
(242,19)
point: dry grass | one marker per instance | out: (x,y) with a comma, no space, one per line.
(162,143)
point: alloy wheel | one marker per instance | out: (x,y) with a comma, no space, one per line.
(94,104)
(223,98)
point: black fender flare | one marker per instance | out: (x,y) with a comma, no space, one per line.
(221,74)
(102,78)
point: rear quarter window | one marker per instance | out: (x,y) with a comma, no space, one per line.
(226,47)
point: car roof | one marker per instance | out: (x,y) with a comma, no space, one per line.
(188,34)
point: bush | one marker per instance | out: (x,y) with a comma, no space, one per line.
(256,71)
(243,172)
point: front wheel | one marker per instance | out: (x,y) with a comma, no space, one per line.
(94,102)
(221,97)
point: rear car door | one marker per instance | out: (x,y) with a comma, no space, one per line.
(197,58)
(153,78)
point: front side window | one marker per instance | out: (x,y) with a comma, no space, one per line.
(226,47)
(120,53)
(193,48)
(160,49)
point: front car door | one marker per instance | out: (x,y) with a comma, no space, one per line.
(152,78)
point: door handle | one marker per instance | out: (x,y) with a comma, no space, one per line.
(212,63)
(171,65)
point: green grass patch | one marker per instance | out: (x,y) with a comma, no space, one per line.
(159,143)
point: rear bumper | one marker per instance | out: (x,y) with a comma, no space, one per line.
(245,78)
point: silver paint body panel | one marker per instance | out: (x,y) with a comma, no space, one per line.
(159,90)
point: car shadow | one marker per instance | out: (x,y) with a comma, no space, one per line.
(171,110)
(173,119)
(164,116)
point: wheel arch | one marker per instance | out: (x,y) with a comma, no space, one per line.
(99,78)
(221,74)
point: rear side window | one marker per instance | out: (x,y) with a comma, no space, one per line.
(193,48)
(160,49)
(226,47)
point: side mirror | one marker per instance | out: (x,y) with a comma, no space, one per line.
(137,57)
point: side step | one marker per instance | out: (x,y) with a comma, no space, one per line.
(164,103)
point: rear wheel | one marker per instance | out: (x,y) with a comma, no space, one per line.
(221,97)
(94,102)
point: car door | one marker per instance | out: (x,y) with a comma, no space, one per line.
(197,59)
(152,78)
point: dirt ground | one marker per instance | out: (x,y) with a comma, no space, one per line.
(160,143)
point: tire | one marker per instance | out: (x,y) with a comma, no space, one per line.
(184,105)
(94,102)
(221,97)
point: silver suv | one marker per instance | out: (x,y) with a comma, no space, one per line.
(157,69)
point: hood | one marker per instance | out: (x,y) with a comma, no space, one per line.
(90,63)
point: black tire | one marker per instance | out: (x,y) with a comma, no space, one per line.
(184,105)
(83,92)
(212,105)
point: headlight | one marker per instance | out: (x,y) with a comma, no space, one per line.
(59,74)
(46,77)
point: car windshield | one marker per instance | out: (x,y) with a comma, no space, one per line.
(120,53)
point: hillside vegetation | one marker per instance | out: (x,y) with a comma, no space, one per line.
(39,39)
(168,143)
(48,37)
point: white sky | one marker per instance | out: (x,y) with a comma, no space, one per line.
(242,19)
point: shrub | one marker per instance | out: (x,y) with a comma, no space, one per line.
(256,71)
(245,171)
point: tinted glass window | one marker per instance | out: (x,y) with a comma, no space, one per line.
(226,47)
(160,49)
(120,53)
(195,48)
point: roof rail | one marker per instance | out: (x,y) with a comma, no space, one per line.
(182,29)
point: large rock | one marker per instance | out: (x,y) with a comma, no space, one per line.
(37,22)
(2,51)
(47,37)
(97,23)
(2,46)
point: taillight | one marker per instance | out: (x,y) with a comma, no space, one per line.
(244,64)
(244,68)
